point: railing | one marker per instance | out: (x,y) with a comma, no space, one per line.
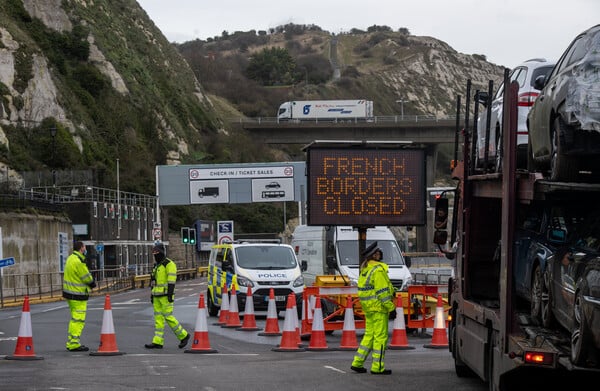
(43,287)
(385,119)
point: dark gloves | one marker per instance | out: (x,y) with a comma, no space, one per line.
(151,299)
(170,292)
(92,284)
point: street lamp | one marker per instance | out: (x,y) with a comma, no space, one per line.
(53,134)
(402,101)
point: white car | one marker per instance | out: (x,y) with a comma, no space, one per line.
(525,74)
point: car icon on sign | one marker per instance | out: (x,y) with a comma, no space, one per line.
(272,185)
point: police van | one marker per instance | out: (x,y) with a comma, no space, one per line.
(260,265)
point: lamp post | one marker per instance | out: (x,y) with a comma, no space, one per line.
(401,101)
(53,134)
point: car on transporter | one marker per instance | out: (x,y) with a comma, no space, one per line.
(525,74)
(564,122)
(557,271)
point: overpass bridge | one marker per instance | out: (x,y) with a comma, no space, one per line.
(428,131)
(425,130)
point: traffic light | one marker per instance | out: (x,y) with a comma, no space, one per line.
(185,235)
(193,236)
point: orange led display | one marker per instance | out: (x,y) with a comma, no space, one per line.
(366,186)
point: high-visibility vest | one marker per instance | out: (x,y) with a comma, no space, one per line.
(77,277)
(375,289)
(163,274)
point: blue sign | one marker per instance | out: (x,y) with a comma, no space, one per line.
(225,226)
(7,262)
(100,247)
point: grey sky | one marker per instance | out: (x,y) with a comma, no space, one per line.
(507,32)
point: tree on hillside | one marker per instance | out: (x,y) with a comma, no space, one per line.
(272,66)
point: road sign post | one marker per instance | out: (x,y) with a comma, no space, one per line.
(3,263)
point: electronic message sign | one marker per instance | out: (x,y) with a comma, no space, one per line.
(366,186)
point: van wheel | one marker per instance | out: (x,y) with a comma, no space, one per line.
(213,310)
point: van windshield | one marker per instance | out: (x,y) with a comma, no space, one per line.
(265,257)
(348,252)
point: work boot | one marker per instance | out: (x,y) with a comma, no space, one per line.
(358,369)
(153,346)
(184,341)
(80,348)
(384,372)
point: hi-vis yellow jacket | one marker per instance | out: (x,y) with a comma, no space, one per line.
(163,275)
(77,279)
(375,290)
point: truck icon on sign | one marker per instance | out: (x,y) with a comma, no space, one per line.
(273,194)
(208,191)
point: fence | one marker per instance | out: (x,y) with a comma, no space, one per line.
(43,287)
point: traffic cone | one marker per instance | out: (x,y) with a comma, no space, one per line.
(24,349)
(289,337)
(108,340)
(224,311)
(201,344)
(233,319)
(272,323)
(317,335)
(249,323)
(399,339)
(349,340)
(307,314)
(292,297)
(439,339)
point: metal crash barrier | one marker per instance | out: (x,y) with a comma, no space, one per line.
(418,303)
(422,300)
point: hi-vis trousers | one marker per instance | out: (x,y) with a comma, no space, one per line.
(374,341)
(163,311)
(78,310)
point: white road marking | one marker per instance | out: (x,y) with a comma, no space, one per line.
(334,369)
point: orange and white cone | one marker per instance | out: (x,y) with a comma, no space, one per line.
(272,323)
(439,339)
(307,315)
(201,343)
(317,335)
(24,349)
(292,297)
(399,339)
(233,320)
(349,340)
(108,339)
(224,311)
(289,336)
(249,323)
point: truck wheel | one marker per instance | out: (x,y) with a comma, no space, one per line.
(580,335)
(213,310)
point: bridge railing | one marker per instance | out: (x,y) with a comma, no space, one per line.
(386,119)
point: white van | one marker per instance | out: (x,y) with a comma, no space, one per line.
(317,247)
(259,265)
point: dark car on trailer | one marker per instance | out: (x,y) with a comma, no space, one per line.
(557,272)
(564,121)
